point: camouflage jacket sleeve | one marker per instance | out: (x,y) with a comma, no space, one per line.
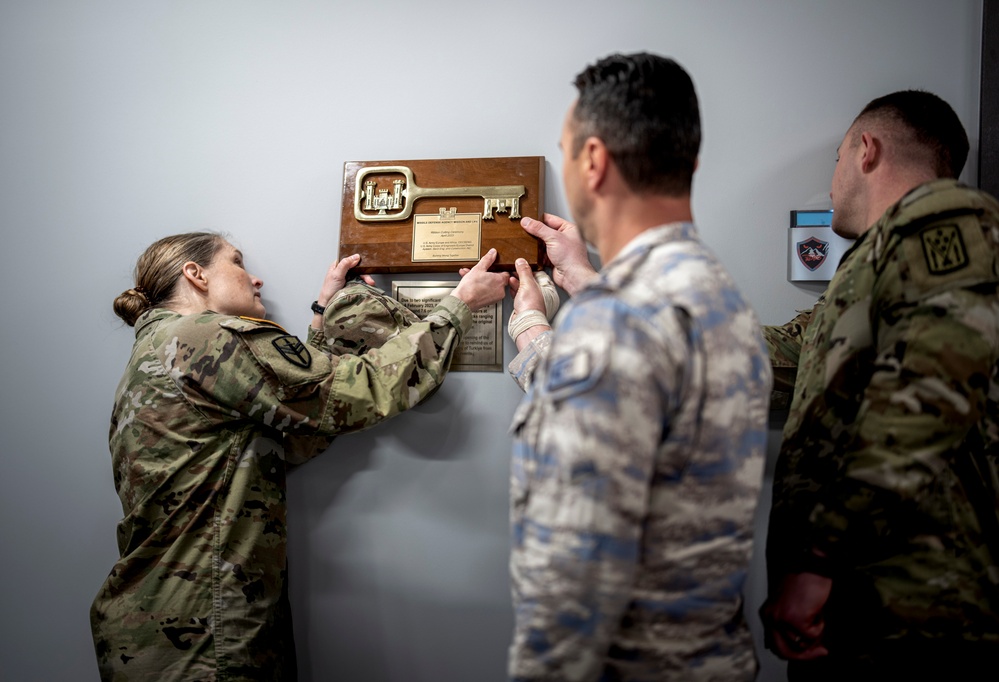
(255,371)
(586,438)
(522,367)
(935,337)
(784,347)
(357,319)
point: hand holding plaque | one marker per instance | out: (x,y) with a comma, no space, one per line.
(478,287)
(460,209)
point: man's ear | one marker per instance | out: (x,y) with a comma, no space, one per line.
(871,152)
(195,274)
(597,159)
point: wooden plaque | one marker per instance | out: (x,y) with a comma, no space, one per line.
(438,215)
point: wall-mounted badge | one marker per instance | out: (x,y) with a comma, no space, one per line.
(814,250)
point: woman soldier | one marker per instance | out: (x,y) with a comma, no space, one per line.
(214,404)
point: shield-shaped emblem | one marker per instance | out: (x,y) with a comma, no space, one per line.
(293,350)
(812,252)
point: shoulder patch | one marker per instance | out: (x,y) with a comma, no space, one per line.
(944,254)
(943,249)
(293,350)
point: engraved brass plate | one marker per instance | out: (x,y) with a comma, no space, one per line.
(482,348)
(447,236)
(388,206)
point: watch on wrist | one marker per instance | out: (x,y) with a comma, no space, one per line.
(318,309)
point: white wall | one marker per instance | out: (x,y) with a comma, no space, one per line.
(123,121)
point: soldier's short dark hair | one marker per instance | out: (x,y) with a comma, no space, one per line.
(932,122)
(644,109)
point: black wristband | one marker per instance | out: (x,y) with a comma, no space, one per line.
(317,309)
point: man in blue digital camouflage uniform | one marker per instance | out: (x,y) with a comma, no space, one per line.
(639,445)
(882,550)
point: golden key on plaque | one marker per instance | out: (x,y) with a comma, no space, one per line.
(405,192)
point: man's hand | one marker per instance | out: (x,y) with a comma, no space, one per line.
(794,619)
(525,289)
(566,250)
(527,296)
(479,287)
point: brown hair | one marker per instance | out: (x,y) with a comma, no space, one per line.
(159,268)
(929,130)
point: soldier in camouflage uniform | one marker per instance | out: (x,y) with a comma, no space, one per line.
(212,410)
(639,446)
(882,549)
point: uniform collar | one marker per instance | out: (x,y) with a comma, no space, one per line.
(910,203)
(644,241)
(639,247)
(153,315)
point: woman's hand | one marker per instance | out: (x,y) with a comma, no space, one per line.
(479,287)
(336,278)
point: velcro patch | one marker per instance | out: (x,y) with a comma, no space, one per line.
(293,350)
(943,248)
(261,321)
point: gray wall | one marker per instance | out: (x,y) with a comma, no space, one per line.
(123,121)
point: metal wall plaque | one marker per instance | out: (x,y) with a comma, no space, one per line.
(482,348)
(390,211)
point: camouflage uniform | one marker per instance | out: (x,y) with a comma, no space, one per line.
(211,411)
(637,464)
(889,460)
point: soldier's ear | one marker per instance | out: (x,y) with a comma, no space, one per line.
(872,150)
(195,274)
(597,159)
